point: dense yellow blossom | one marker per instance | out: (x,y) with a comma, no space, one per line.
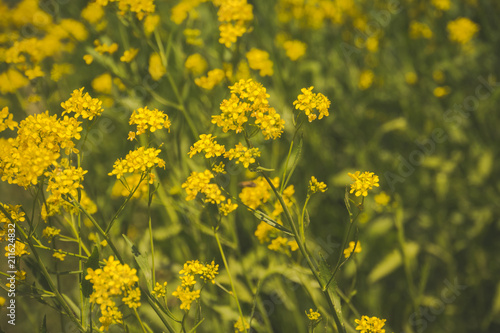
(138,161)
(234,16)
(242,154)
(141,8)
(105,48)
(199,182)
(150,24)
(257,194)
(370,325)
(83,105)
(186,292)
(295,49)
(113,280)
(196,64)
(309,101)
(183,8)
(208,145)
(241,325)
(213,78)
(19,250)
(149,120)
(420,30)
(131,182)
(363,182)
(156,68)
(192,37)
(461,30)
(366,78)
(6,120)
(443,5)
(103,83)
(50,233)
(441,91)
(59,255)
(11,81)
(34,72)
(65,181)
(353,246)
(93,13)
(15,213)
(259,60)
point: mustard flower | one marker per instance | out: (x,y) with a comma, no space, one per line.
(82,105)
(141,8)
(241,325)
(150,24)
(461,30)
(309,101)
(156,68)
(65,181)
(219,168)
(59,70)
(315,186)
(363,182)
(131,182)
(243,154)
(185,292)
(366,78)
(149,120)
(105,48)
(279,244)
(50,233)
(234,16)
(213,78)
(313,315)
(34,72)
(19,250)
(259,60)
(192,37)
(208,145)
(180,11)
(382,198)
(93,13)
(441,91)
(257,194)
(88,59)
(199,182)
(295,49)
(420,30)
(196,64)
(264,232)
(138,161)
(160,290)
(186,296)
(59,255)
(443,5)
(6,120)
(228,207)
(370,325)
(103,83)
(356,247)
(11,81)
(129,55)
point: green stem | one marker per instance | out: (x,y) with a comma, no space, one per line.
(151,237)
(301,220)
(229,275)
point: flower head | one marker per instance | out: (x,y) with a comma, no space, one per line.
(370,325)
(363,182)
(82,105)
(316,186)
(309,101)
(461,30)
(356,247)
(313,315)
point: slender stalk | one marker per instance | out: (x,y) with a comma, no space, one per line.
(229,275)
(301,220)
(150,194)
(140,321)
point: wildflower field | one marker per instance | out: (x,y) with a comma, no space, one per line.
(249,166)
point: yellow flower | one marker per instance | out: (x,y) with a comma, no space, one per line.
(103,83)
(131,182)
(370,325)
(234,16)
(420,30)
(92,13)
(6,120)
(138,161)
(105,48)
(185,292)
(129,55)
(192,37)
(59,70)
(309,101)
(199,182)
(443,5)
(11,81)
(243,154)
(382,198)
(88,59)
(257,194)
(363,182)
(208,145)
(149,120)
(411,78)
(241,325)
(366,79)
(315,186)
(160,290)
(150,24)
(83,105)
(34,73)
(228,207)
(50,233)
(196,64)
(156,67)
(313,315)
(461,30)
(211,80)
(259,60)
(279,244)
(59,255)
(441,91)
(219,168)
(19,249)
(356,247)
(65,181)
(295,49)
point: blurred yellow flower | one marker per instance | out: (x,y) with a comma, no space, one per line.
(411,78)
(88,59)
(103,83)
(366,79)
(129,55)
(295,49)
(443,5)
(441,91)
(150,24)
(196,64)
(353,246)
(259,60)
(461,30)
(156,68)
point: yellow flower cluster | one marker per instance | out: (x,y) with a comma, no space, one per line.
(353,246)
(59,255)
(180,11)
(243,154)
(65,181)
(140,7)
(15,214)
(160,290)
(82,105)
(6,120)
(363,182)
(249,98)
(295,49)
(366,78)
(315,186)
(208,145)
(129,55)
(259,60)
(313,315)
(114,279)
(241,325)
(443,5)
(420,30)
(185,291)
(50,233)
(192,37)
(196,64)
(462,30)
(234,16)
(105,48)
(258,193)
(37,146)
(156,68)
(20,250)
(150,120)
(370,325)
(139,161)
(309,101)
(213,78)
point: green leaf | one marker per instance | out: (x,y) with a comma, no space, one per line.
(325,272)
(391,262)
(142,261)
(262,216)
(92,262)
(296,159)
